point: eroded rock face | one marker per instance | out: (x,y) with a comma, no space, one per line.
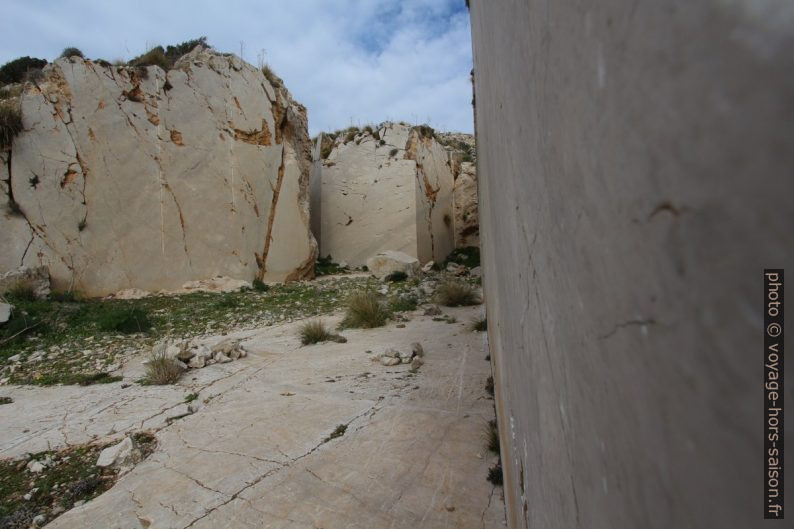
(141,178)
(388,189)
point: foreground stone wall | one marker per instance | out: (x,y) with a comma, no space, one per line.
(141,178)
(389,189)
(635,164)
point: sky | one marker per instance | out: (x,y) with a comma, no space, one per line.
(351,62)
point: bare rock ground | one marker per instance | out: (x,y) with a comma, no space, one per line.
(260,447)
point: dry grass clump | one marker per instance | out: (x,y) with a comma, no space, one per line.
(162,370)
(10,122)
(21,291)
(315,331)
(492,436)
(365,310)
(456,294)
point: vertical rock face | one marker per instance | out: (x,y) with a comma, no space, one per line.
(141,178)
(466,203)
(635,162)
(388,189)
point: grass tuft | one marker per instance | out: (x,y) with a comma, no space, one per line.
(495,474)
(404,304)
(456,294)
(315,331)
(260,286)
(10,122)
(397,276)
(468,256)
(479,325)
(489,387)
(21,291)
(162,370)
(365,310)
(492,436)
(71,52)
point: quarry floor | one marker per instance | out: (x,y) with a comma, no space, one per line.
(257,453)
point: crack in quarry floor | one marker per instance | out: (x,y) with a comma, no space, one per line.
(258,450)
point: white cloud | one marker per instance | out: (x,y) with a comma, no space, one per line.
(348,61)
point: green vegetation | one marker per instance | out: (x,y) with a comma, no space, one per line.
(71,52)
(468,256)
(64,327)
(190,397)
(339,431)
(21,291)
(69,476)
(126,320)
(153,57)
(166,57)
(274,80)
(404,303)
(326,266)
(315,331)
(452,293)
(426,131)
(492,436)
(10,122)
(17,70)
(260,286)
(394,277)
(489,387)
(365,310)
(495,474)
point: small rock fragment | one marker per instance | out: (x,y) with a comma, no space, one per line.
(416,363)
(432,310)
(389,361)
(122,455)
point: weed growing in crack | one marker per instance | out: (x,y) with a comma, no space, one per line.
(492,436)
(479,325)
(495,474)
(339,431)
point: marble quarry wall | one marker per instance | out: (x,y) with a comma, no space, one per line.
(129,177)
(635,163)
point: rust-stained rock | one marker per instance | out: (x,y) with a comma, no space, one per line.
(147,188)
